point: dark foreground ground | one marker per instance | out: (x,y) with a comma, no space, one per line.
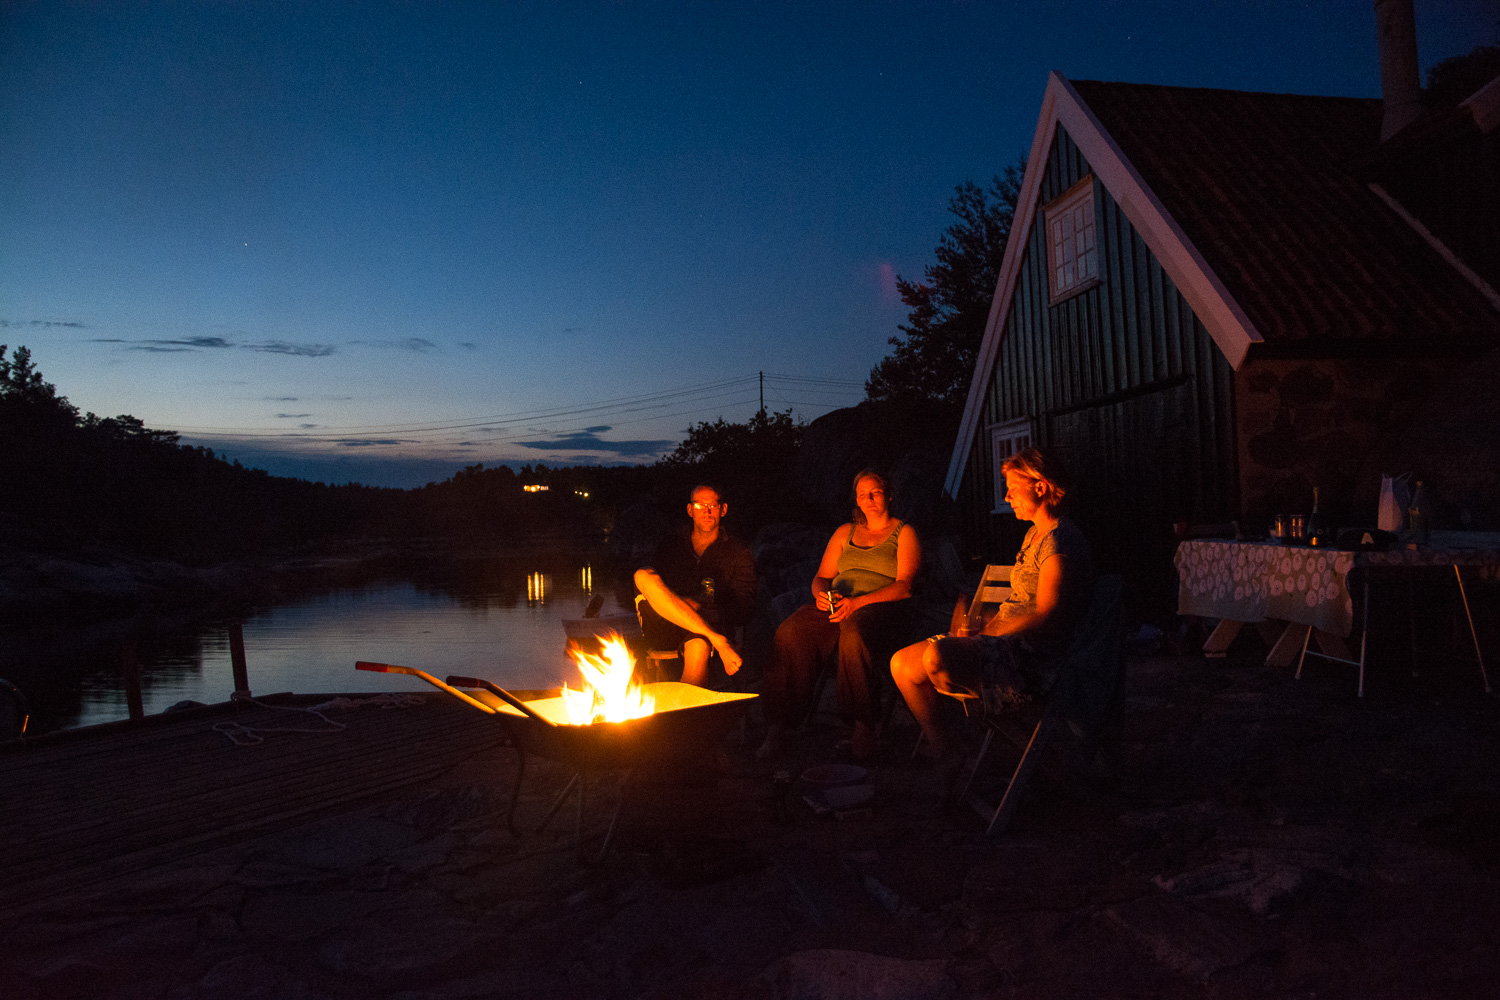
(1264,838)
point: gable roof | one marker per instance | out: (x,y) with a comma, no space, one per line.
(1252,206)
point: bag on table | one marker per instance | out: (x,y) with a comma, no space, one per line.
(1395,498)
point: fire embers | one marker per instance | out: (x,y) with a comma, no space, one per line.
(610,693)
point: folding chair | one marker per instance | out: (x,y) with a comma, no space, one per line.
(1087,696)
(993,590)
(656,660)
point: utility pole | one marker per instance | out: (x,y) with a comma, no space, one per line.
(762,393)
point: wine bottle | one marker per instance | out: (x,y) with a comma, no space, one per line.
(1416,515)
(1317,533)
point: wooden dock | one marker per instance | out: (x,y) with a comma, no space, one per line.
(80,808)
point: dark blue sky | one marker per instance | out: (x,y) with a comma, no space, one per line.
(383,241)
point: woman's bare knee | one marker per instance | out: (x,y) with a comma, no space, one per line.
(906,664)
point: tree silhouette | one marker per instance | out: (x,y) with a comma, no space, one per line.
(934,361)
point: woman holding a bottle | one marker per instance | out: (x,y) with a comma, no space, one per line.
(860,614)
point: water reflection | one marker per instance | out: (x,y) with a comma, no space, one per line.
(497,620)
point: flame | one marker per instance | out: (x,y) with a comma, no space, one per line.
(609,693)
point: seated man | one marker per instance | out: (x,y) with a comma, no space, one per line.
(699,585)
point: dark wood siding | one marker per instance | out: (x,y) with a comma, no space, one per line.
(1124,381)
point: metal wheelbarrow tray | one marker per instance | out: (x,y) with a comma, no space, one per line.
(687,719)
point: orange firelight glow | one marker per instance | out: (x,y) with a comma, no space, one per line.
(609,693)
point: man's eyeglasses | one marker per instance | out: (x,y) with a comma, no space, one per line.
(701,507)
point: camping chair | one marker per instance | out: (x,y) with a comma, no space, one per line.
(1087,697)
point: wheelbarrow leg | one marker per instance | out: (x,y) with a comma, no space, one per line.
(515,793)
(583,794)
(614,819)
(557,803)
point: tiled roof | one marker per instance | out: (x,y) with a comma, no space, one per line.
(1265,186)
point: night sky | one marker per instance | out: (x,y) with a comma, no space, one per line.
(381,242)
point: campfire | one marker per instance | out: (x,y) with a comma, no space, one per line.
(610,693)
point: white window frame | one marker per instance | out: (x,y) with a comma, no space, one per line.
(1005,440)
(1072,241)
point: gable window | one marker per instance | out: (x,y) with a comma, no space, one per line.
(1072,251)
(1005,440)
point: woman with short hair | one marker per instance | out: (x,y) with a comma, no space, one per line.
(1017,652)
(859,615)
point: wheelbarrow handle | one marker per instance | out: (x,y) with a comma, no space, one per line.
(391,668)
(502,694)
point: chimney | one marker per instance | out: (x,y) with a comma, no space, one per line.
(1400,83)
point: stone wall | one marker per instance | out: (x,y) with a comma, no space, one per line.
(1340,424)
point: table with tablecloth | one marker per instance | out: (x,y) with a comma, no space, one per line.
(1242,582)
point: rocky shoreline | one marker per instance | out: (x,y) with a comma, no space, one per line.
(1260,837)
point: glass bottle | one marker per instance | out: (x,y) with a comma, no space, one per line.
(1416,515)
(1317,533)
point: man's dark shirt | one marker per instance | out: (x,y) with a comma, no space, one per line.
(728,562)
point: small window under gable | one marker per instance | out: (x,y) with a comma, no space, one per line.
(1072,250)
(1005,440)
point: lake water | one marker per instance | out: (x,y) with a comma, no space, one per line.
(506,625)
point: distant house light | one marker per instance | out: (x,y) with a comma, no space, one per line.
(535,488)
(1072,250)
(582,493)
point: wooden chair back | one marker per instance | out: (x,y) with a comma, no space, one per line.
(993,590)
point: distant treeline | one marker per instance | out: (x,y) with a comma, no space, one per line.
(71,479)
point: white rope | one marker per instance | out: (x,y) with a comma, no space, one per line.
(344,703)
(242,735)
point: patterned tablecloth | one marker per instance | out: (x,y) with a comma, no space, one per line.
(1253,581)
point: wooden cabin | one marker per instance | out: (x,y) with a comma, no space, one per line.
(1213,301)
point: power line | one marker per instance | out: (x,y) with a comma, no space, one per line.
(722,389)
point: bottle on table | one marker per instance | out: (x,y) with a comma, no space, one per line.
(1317,531)
(1417,515)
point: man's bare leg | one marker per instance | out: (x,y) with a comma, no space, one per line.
(677,611)
(695,661)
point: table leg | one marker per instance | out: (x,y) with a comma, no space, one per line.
(1472,633)
(1293,637)
(1223,634)
(1364,635)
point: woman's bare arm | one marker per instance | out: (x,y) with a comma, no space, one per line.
(829,567)
(1048,594)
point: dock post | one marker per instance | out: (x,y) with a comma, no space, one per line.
(237,660)
(130,667)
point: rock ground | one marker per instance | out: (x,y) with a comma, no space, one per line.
(1262,837)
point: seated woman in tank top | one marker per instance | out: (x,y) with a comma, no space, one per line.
(860,614)
(1015,656)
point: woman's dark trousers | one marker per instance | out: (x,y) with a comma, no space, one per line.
(861,645)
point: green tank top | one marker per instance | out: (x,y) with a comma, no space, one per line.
(865,570)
